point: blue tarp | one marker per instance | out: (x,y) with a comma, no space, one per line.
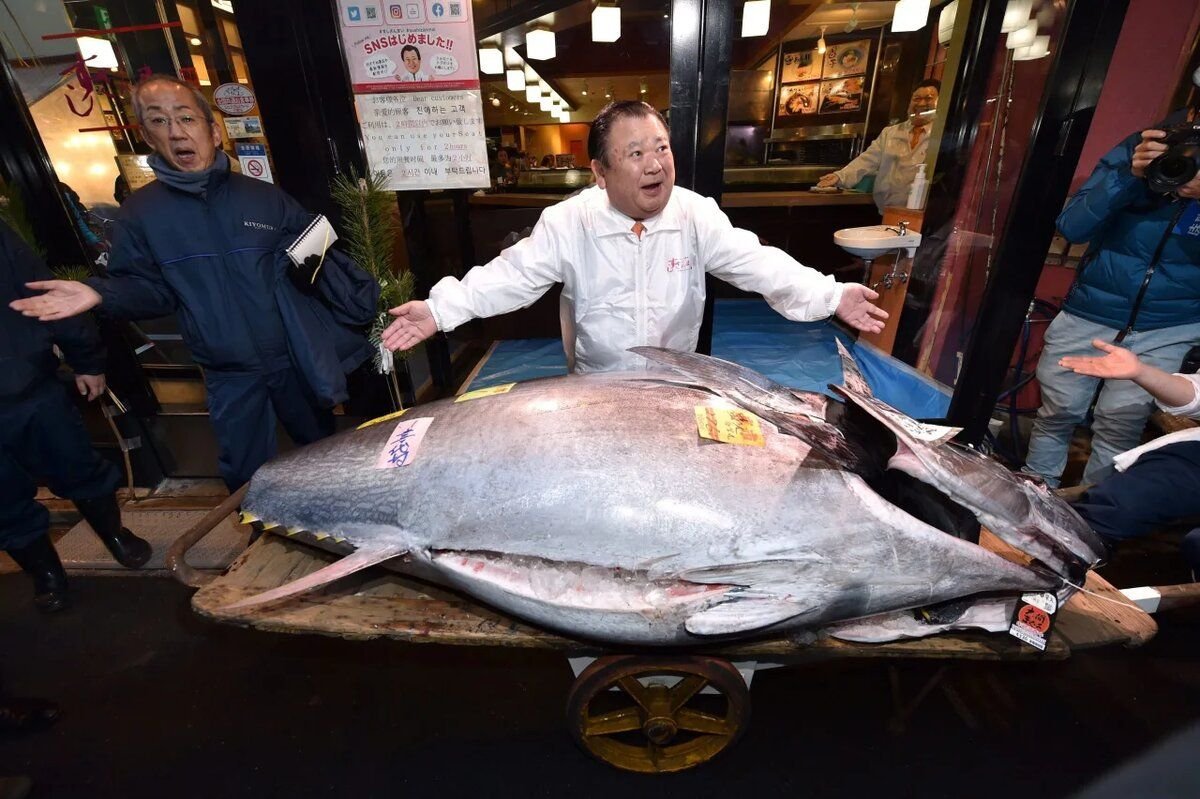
(799,355)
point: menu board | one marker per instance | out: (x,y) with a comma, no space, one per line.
(415,79)
(823,88)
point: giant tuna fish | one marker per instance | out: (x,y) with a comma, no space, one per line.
(590,505)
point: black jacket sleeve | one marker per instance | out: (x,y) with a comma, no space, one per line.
(77,337)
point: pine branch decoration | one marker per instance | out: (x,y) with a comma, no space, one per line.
(369,230)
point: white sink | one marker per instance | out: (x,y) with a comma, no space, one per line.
(874,240)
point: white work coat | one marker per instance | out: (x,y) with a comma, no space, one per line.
(893,161)
(620,291)
(1191,410)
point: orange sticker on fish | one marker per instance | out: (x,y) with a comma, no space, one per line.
(730,425)
(402,444)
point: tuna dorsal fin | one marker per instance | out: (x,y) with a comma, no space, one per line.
(760,395)
(356,561)
(742,615)
(729,380)
(852,377)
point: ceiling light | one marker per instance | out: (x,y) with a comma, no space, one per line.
(1016,14)
(606,23)
(821,48)
(756,18)
(564,116)
(946,22)
(1022,37)
(491,60)
(608,92)
(539,44)
(1038,49)
(495,101)
(642,88)
(545,104)
(98,53)
(910,15)
(532,93)
(516,79)
(194,41)
(511,59)
(585,90)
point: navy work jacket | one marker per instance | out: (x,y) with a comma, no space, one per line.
(1133,238)
(217,262)
(27,345)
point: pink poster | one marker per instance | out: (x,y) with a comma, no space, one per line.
(409,46)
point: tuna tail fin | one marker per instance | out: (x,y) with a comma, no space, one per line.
(760,395)
(354,562)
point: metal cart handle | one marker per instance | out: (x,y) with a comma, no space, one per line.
(178,552)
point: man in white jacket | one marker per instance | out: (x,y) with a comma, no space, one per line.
(1158,483)
(631,253)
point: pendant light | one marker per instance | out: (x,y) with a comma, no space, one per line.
(606,23)
(491,60)
(756,18)
(910,15)
(539,44)
(1016,14)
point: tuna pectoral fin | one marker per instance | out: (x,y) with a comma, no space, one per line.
(357,561)
(742,615)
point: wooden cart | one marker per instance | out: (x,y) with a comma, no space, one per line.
(640,711)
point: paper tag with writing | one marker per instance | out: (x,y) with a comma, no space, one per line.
(730,425)
(402,444)
(382,419)
(485,392)
(1033,619)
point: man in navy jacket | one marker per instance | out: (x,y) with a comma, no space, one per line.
(208,246)
(1138,285)
(42,437)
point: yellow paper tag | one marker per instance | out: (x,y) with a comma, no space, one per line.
(730,425)
(387,418)
(485,392)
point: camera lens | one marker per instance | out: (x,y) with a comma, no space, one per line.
(1173,169)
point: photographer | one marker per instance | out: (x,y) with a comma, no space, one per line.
(1138,286)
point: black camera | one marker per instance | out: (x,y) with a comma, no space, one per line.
(1180,163)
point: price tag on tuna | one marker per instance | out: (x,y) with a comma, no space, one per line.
(1033,618)
(383,419)
(730,425)
(485,392)
(402,444)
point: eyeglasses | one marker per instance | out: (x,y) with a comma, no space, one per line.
(186,122)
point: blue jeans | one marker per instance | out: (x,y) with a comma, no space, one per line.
(1122,409)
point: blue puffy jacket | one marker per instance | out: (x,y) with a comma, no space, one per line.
(217,262)
(1127,226)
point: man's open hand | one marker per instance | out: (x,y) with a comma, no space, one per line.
(62,299)
(1118,364)
(856,310)
(414,323)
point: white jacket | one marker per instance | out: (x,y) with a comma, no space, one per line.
(1191,410)
(620,291)
(893,161)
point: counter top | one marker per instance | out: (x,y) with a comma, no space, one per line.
(765,199)
(729,199)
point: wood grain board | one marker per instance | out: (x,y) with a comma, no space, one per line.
(382,604)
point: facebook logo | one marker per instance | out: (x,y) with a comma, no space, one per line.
(438,10)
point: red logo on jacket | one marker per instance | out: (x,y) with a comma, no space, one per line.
(679,264)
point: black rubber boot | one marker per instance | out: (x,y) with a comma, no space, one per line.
(40,561)
(104,516)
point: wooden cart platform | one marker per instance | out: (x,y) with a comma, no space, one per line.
(640,711)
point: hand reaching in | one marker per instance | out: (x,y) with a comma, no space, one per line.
(1118,364)
(856,309)
(414,323)
(62,299)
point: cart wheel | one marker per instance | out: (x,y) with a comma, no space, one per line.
(658,721)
